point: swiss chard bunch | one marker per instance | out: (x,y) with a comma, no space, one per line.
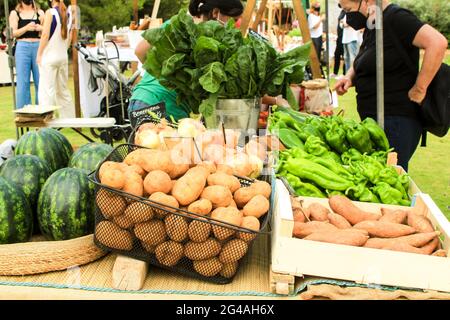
(210,61)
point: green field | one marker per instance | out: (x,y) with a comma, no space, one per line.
(429,167)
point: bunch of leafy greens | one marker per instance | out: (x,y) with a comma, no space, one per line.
(210,61)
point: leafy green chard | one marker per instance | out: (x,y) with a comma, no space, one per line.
(210,61)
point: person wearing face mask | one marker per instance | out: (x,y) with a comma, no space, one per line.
(26,23)
(53,59)
(404,90)
(315,24)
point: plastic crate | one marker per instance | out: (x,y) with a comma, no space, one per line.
(168,226)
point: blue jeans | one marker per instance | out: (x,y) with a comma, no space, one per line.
(350,52)
(404,135)
(26,53)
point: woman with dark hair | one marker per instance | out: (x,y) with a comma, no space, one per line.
(26,23)
(53,59)
(149,91)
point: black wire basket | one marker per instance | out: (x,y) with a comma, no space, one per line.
(168,237)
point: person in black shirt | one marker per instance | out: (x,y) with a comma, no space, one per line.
(339,51)
(404,90)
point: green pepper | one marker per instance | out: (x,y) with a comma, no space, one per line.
(390,195)
(332,155)
(331,193)
(297,116)
(310,130)
(335,137)
(303,188)
(315,146)
(376,133)
(368,196)
(359,138)
(290,139)
(318,123)
(351,155)
(388,175)
(369,170)
(319,175)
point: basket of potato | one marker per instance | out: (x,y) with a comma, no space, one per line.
(196,219)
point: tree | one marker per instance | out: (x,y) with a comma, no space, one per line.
(167,8)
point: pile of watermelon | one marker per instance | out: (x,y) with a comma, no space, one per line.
(45,188)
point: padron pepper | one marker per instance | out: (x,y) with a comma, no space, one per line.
(315,146)
(351,155)
(359,138)
(390,195)
(336,138)
(376,133)
(317,174)
(302,188)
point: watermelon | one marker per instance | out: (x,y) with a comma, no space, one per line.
(66,205)
(47,144)
(16,217)
(29,173)
(89,156)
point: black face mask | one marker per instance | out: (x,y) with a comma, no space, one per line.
(50,4)
(356,19)
(27,2)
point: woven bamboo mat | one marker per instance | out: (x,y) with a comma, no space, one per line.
(252,278)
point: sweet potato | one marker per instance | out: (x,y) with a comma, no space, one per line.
(415,240)
(385,229)
(440,253)
(430,246)
(345,207)
(338,221)
(157,181)
(318,212)
(302,230)
(222,179)
(219,196)
(201,207)
(394,216)
(301,214)
(402,247)
(189,187)
(113,178)
(420,223)
(257,206)
(345,237)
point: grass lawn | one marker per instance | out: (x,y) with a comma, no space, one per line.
(429,167)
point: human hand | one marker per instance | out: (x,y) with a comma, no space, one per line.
(39,59)
(342,86)
(31,26)
(38,28)
(280,101)
(417,94)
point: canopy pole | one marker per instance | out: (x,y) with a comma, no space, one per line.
(327,25)
(11,60)
(247,16)
(259,14)
(76,76)
(380,63)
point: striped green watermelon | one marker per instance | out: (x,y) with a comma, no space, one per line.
(89,156)
(66,205)
(29,173)
(16,218)
(49,145)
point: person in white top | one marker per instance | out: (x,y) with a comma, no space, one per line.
(53,59)
(315,23)
(350,40)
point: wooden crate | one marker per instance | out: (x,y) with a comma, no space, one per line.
(297,257)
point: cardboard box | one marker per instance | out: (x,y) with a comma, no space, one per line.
(299,257)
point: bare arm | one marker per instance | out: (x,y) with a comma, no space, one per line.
(141,50)
(45,35)
(14,22)
(345,83)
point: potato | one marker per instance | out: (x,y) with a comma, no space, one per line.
(256,149)
(159,160)
(251,223)
(123,222)
(229,269)
(149,248)
(138,212)
(113,178)
(176,227)
(257,206)
(138,170)
(201,207)
(169,253)
(228,215)
(137,156)
(209,267)
(202,250)
(210,166)
(134,185)
(243,196)
(222,179)
(199,231)
(157,181)
(164,200)
(112,236)
(219,196)
(180,166)
(151,232)
(262,188)
(223,168)
(108,166)
(110,204)
(233,251)
(233,204)
(189,187)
